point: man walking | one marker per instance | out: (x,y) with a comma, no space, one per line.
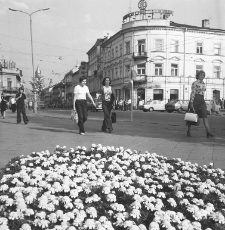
(20,98)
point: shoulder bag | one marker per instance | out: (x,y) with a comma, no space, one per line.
(113,117)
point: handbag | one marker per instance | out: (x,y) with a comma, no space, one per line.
(74,116)
(191,117)
(113,117)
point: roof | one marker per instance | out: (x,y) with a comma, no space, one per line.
(98,42)
(195,27)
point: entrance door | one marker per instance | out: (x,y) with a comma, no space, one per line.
(158,94)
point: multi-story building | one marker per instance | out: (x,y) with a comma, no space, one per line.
(10,78)
(161,56)
(95,65)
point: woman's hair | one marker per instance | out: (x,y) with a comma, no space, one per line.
(198,74)
(21,88)
(82,78)
(103,81)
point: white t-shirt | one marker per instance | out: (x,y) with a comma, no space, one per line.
(107,92)
(81,92)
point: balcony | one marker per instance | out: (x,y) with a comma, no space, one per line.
(140,55)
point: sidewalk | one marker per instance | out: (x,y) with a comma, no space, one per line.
(45,131)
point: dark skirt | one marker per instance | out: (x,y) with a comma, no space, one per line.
(199,106)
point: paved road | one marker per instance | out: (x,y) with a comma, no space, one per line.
(158,132)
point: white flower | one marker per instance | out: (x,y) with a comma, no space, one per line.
(172,202)
(25,227)
(89,224)
(154,226)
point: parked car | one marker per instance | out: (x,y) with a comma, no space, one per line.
(91,107)
(41,105)
(212,107)
(184,105)
(156,105)
(173,105)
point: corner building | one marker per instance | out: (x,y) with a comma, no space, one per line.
(162,57)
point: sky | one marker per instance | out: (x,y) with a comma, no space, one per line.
(63,34)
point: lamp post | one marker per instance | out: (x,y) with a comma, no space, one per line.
(32,54)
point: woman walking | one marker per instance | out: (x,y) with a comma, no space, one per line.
(107,104)
(81,92)
(3,106)
(197,102)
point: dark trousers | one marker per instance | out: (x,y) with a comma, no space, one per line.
(81,107)
(106,107)
(21,109)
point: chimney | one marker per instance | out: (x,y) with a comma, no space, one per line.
(205,23)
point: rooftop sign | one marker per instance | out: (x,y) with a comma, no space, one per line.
(151,14)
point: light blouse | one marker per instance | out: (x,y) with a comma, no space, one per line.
(198,87)
(107,91)
(81,92)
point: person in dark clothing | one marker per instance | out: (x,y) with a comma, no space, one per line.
(3,106)
(107,104)
(20,98)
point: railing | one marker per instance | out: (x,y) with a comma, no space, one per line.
(137,55)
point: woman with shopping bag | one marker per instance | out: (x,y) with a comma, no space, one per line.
(197,103)
(81,92)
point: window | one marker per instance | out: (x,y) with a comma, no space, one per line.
(116,51)
(159,44)
(174,46)
(112,53)
(199,48)
(127,48)
(217,49)
(141,69)
(109,55)
(127,68)
(9,83)
(198,68)
(116,73)
(112,73)
(158,69)
(174,70)
(141,46)
(121,48)
(217,71)
(121,71)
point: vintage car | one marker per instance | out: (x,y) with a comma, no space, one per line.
(154,105)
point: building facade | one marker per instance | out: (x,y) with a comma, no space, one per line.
(10,79)
(162,57)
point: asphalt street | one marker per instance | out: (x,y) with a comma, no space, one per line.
(160,132)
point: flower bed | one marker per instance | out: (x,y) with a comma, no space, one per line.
(109,188)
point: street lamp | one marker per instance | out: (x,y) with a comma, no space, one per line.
(32,54)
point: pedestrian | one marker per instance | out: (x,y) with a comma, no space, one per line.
(81,92)
(197,102)
(3,105)
(13,104)
(129,104)
(107,104)
(222,104)
(20,100)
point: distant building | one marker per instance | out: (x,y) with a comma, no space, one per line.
(10,78)
(163,57)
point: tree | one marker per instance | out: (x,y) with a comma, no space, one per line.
(38,83)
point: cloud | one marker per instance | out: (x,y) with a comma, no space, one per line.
(87,18)
(20,5)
